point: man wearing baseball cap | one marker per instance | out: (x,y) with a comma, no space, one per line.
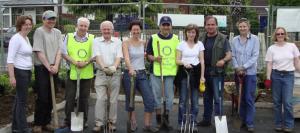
(161,50)
(46,46)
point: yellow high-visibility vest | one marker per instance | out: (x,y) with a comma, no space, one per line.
(168,54)
(80,51)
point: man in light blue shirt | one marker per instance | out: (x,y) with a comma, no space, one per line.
(245,52)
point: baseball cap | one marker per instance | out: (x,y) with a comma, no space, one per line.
(49,14)
(165,20)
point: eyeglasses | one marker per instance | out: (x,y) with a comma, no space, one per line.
(277,34)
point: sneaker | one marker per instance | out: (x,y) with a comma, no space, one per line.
(204,123)
(150,129)
(37,129)
(250,129)
(278,129)
(48,127)
(195,130)
(287,130)
(97,128)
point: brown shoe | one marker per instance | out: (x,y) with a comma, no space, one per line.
(48,127)
(37,129)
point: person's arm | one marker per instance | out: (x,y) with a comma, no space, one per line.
(254,55)
(234,58)
(150,53)
(127,58)
(178,57)
(228,55)
(41,56)
(269,70)
(12,79)
(55,67)
(201,58)
(297,63)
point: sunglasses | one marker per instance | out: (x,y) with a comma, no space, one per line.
(277,34)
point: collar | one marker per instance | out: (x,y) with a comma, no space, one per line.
(86,35)
(103,40)
(165,37)
(248,36)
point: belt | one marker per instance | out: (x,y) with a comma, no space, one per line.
(283,72)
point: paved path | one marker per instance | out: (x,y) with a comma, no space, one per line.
(263,120)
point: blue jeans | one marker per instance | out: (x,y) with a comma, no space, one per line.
(19,122)
(142,85)
(282,91)
(183,94)
(212,95)
(247,106)
(157,92)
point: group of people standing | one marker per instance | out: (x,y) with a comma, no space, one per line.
(205,56)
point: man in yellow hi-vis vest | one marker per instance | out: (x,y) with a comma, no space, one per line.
(77,51)
(164,54)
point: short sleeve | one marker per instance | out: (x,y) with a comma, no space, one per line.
(180,46)
(201,46)
(119,49)
(96,51)
(13,47)
(227,47)
(295,51)
(269,55)
(38,41)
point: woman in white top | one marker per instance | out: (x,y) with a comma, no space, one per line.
(19,62)
(282,59)
(190,56)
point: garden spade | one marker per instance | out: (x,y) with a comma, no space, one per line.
(77,117)
(237,120)
(221,120)
(131,102)
(53,101)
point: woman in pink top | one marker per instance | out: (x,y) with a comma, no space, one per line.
(282,59)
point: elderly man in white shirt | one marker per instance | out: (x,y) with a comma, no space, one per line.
(108,53)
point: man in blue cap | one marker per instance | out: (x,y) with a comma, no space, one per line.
(161,50)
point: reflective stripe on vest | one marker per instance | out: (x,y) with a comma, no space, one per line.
(168,53)
(80,51)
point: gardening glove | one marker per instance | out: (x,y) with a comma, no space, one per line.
(107,71)
(202,86)
(112,69)
(268,83)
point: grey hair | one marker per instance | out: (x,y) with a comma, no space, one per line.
(107,23)
(83,19)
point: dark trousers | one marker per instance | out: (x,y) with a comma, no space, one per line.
(43,103)
(19,122)
(70,94)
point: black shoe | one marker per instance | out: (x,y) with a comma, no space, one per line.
(204,123)
(243,125)
(166,123)
(150,129)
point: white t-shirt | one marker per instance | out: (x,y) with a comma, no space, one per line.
(107,50)
(282,57)
(190,55)
(20,52)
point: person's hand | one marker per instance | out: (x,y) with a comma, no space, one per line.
(107,71)
(54,69)
(220,63)
(81,64)
(158,59)
(12,81)
(268,83)
(186,65)
(202,79)
(132,72)
(113,69)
